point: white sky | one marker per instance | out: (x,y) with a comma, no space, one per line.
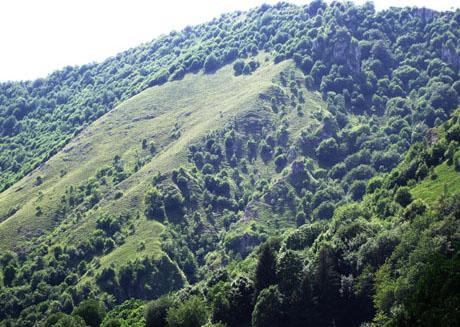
(40,36)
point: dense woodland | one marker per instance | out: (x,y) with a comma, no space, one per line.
(346,241)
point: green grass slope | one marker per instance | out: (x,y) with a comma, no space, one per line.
(172,116)
(445,178)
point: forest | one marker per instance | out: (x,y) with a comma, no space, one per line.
(331,197)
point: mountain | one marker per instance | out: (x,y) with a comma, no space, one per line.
(286,166)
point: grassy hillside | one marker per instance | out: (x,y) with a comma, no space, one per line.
(173,116)
(38,118)
(444,179)
(192,107)
(289,164)
(101,178)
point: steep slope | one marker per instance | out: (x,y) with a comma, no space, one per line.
(192,107)
(89,199)
(364,257)
(178,186)
(444,179)
(37,118)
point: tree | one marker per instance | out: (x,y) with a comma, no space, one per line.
(9,273)
(155,206)
(232,305)
(417,207)
(238,67)
(324,211)
(191,313)
(318,71)
(211,63)
(280,162)
(453,133)
(92,312)
(63,320)
(357,190)
(403,196)
(221,311)
(380,51)
(265,151)
(241,297)
(268,308)
(266,265)
(173,204)
(252,149)
(9,125)
(156,311)
(289,268)
(443,96)
(106,279)
(435,299)
(326,286)
(108,224)
(112,323)
(315,6)
(328,152)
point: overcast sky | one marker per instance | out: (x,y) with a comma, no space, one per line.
(40,36)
